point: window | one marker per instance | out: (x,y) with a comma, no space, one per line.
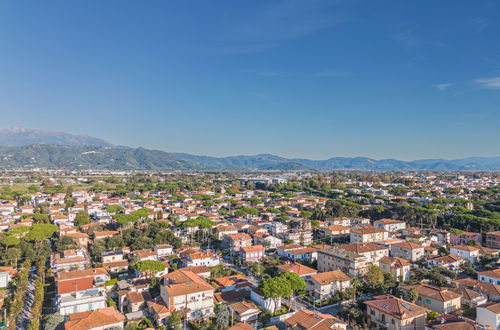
(90,307)
(427,301)
(419,298)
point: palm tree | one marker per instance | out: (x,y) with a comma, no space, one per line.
(222,316)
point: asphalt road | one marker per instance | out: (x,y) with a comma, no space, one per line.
(23,320)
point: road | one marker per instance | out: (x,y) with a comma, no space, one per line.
(23,320)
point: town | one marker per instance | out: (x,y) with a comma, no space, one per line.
(255,250)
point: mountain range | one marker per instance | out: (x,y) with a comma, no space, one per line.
(27,148)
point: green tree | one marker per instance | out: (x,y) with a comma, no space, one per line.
(222,316)
(413,295)
(82,218)
(150,266)
(276,288)
(174,321)
(374,276)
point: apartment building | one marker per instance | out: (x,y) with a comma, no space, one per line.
(188,292)
(367,234)
(409,251)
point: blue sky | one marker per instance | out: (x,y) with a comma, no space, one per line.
(312,78)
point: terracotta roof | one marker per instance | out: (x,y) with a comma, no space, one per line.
(229,280)
(433,292)
(394,262)
(306,319)
(103,317)
(81,273)
(362,247)
(255,248)
(365,230)
(298,269)
(73,285)
(241,326)
(492,307)
(465,248)
(408,245)
(241,307)
(388,221)
(491,273)
(330,277)
(398,308)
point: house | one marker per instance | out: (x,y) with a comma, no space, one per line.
(334,231)
(470,253)
(158,310)
(440,236)
(489,314)
(242,326)
(470,297)
(493,239)
(163,250)
(490,290)
(104,318)
(235,242)
(450,261)
(441,300)
(312,320)
(252,253)
(390,224)
(268,241)
(133,301)
(186,291)
(490,276)
(104,234)
(193,258)
(398,267)
(299,269)
(323,286)
(392,313)
(82,239)
(6,275)
(111,256)
(231,283)
(368,233)
(79,295)
(244,311)
(100,275)
(464,237)
(69,260)
(297,252)
(143,255)
(406,250)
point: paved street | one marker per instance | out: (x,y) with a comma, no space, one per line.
(24,317)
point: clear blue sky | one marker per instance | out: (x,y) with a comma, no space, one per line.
(383,79)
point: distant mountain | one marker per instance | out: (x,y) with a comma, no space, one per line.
(29,148)
(91,157)
(272,162)
(21,136)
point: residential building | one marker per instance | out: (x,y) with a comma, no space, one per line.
(406,250)
(489,314)
(470,253)
(440,300)
(244,311)
(79,295)
(100,319)
(312,320)
(69,260)
(391,225)
(235,242)
(493,239)
(323,286)
(252,253)
(464,237)
(490,276)
(398,267)
(388,312)
(367,234)
(299,269)
(186,291)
